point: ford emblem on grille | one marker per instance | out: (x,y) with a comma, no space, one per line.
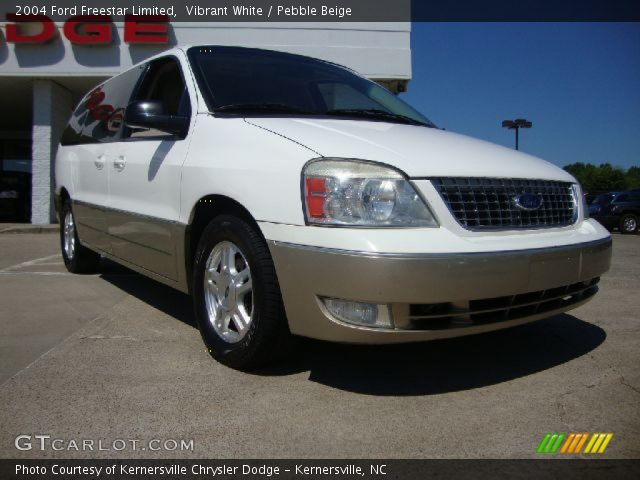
(528,201)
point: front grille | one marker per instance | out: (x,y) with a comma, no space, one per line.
(489,203)
(439,316)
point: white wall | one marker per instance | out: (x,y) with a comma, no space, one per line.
(375,49)
(51,107)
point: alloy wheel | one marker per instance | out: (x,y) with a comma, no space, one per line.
(228,292)
(69,236)
(630,224)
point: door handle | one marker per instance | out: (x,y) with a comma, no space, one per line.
(119,163)
(99,162)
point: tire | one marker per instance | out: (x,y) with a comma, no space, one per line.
(239,312)
(628,223)
(77,258)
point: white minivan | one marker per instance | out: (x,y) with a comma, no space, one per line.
(292,197)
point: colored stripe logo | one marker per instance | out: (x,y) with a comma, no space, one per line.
(573,443)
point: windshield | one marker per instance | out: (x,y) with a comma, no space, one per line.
(253,81)
(604,199)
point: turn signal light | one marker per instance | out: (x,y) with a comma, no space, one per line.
(316,193)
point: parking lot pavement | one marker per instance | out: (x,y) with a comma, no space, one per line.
(116,356)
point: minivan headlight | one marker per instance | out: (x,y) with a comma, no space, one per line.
(585,206)
(357,193)
(580,201)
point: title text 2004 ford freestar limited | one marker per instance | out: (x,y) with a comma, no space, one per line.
(289,195)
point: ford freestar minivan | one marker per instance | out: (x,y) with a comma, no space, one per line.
(289,195)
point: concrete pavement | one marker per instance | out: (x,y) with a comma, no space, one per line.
(28,228)
(116,356)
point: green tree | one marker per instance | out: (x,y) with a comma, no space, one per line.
(602,178)
(633,177)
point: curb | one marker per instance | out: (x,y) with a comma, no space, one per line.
(29,229)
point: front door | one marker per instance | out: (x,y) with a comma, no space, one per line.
(145,171)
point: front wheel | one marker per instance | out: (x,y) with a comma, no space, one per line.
(236,295)
(628,223)
(77,258)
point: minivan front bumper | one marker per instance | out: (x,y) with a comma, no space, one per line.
(434,296)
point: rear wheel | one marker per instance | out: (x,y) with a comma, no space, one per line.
(628,223)
(236,295)
(77,258)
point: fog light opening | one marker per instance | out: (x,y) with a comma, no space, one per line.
(359,313)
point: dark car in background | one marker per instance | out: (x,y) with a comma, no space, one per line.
(619,210)
(15,195)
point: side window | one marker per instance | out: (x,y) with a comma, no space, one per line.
(621,198)
(99,116)
(163,82)
(341,95)
(72,134)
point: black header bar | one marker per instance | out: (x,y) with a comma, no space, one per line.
(336,10)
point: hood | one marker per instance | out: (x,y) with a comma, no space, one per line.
(417,151)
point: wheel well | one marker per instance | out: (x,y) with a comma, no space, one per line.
(204,211)
(59,199)
(64,195)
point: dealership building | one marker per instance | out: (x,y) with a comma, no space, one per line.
(47,67)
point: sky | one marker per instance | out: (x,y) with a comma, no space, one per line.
(579,83)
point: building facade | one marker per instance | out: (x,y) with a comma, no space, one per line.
(46,68)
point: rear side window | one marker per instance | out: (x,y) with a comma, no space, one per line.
(621,198)
(72,134)
(100,115)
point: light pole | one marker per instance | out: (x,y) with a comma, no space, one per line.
(516,125)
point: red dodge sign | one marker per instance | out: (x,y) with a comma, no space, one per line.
(87,29)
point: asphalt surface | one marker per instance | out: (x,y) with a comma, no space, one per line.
(115,356)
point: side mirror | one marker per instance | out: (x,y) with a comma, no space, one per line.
(151,114)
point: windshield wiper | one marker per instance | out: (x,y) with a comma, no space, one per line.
(375,113)
(284,108)
(261,107)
